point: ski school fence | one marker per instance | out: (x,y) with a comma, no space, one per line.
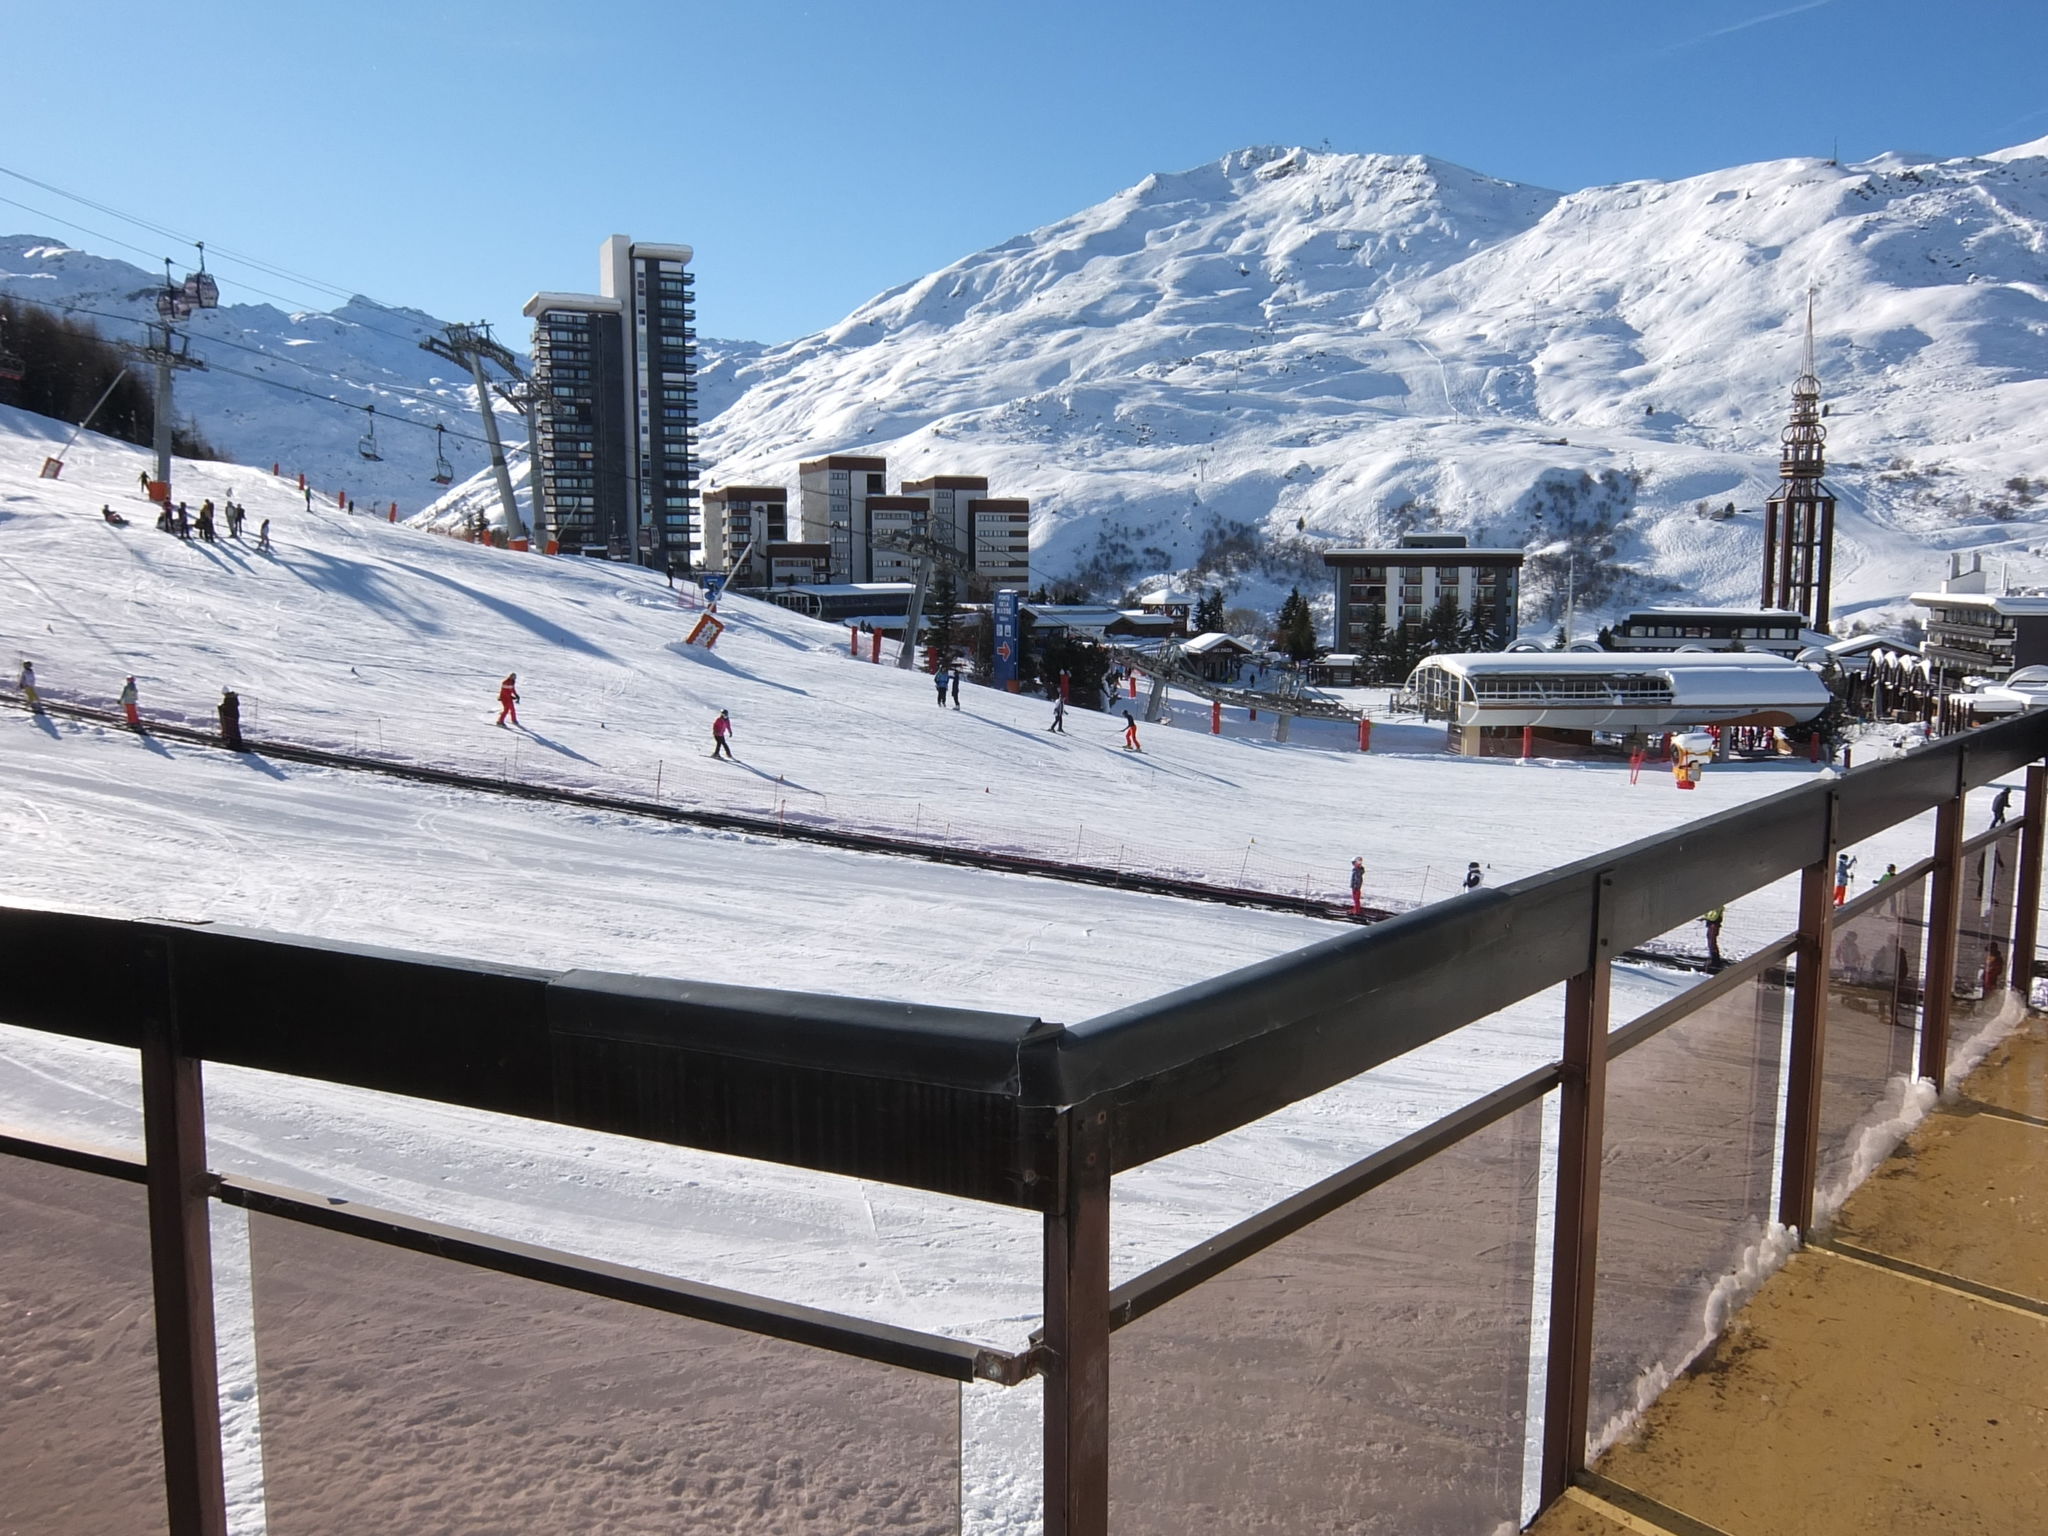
(768,806)
(1433,1339)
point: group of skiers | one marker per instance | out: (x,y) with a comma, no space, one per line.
(181,524)
(228,711)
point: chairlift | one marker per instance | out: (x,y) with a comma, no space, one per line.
(367,445)
(444,472)
(201,291)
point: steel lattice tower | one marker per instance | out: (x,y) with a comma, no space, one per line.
(1799,521)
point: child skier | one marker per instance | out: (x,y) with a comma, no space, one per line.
(1131,733)
(128,702)
(508,698)
(1845,867)
(1357,885)
(1059,716)
(721,735)
(939,682)
(29,695)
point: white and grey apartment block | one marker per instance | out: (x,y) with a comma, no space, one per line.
(616,407)
(741,525)
(1403,583)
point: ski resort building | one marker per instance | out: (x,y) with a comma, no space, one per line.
(1487,700)
(1402,584)
(846,504)
(615,407)
(743,524)
(1972,632)
(1777,630)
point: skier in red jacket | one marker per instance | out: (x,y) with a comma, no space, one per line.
(721,735)
(508,698)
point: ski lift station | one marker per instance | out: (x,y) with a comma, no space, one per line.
(1487,700)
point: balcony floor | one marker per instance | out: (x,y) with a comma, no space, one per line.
(1893,1376)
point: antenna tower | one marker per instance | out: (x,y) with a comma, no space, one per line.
(1799,520)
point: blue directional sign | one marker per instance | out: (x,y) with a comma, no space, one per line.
(1006,648)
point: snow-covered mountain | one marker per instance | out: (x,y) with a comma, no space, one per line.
(1287,348)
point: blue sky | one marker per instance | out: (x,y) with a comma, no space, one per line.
(457,155)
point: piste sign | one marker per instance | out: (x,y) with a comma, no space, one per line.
(1006,639)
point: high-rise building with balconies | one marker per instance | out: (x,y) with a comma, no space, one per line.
(615,408)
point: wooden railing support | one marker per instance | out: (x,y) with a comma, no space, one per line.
(1575,1250)
(181,1262)
(2026,916)
(1944,912)
(1077,1332)
(1804,1060)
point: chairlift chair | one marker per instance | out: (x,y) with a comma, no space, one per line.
(367,446)
(201,291)
(444,472)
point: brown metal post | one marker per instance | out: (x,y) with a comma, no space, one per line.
(1944,912)
(1822,593)
(2026,917)
(1077,1333)
(1770,555)
(1576,1247)
(181,1265)
(1808,1049)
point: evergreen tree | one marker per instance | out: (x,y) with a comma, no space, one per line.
(1443,631)
(1209,612)
(1371,648)
(1085,662)
(1295,627)
(1403,651)
(942,615)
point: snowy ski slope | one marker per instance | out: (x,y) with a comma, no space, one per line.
(365,635)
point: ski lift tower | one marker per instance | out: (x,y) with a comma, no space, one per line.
(930,554)
(167,349)
(471,346)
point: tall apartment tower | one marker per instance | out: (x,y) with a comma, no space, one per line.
(1799,519)
(616,407)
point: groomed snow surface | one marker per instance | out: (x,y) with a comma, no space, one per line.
(360,634)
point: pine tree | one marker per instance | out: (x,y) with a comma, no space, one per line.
(1209,612)
(1443,630)
(1296,627)
(942,618)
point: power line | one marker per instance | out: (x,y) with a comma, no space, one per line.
(228,252)
(426,396)
(347,405)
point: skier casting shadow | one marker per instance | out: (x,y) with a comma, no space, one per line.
(721,735)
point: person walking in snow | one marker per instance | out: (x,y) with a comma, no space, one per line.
(206,521)
(721,735)
(939,682)
(956,687)
(1473,878)
(1712,920)
(1131,733)
(231,721)
(508,698)
(1845,869)
(1059,716)
(27,685)
(263,535)
(128,702)
(2000,803)
(307,491)
(1357,885)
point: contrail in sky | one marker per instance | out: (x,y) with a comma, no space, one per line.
(1744,26)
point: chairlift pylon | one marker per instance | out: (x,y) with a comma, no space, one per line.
(367,445)
(444,472)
